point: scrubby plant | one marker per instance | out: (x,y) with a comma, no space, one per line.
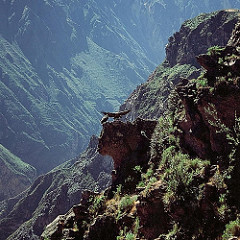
(163,137)
(124,235)
(118,192)
(136,226)
(232,229)
(201,81)
(147,178)
(127,202)
(97,204)
(172,234)
(179,174)
(215,50)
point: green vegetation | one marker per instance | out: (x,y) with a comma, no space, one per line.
(16,165)
(172,234)
(124,234)
(194,23)
(157,92)
(126,202)
(180,174)
(215,51)
(232,230)
(97,203)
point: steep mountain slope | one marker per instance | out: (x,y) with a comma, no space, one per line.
(153,21)
(17,175)
(62,62)
(195,36)
(53,194)
(57,74)
(190,188)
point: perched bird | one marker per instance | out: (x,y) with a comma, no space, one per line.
(114,115)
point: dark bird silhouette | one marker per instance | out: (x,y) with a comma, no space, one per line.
(114,115)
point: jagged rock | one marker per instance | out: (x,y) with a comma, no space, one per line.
(128,144)
(150,100)
(235,38)
(56,227)
(54,193)
(193,39)
(150,209)
(228,63)
(103,227)
(200,135)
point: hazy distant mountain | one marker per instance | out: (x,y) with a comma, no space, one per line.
(61,62)
(16,175)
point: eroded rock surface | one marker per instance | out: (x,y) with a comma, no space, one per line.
(128,144)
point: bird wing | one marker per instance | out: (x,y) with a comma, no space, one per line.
(116,114)
(124,112)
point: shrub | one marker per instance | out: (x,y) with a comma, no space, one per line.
(163,137)
(97,203)
(232,230)
(179,173)
(127,202)
(215,50)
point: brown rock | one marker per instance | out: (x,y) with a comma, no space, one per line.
(150,210)
(104,227)
(128,144)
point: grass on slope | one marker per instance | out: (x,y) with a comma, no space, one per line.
(15,163)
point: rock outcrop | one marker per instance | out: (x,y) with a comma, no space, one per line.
(25,216)
(128,144)
(195,36)
(207,107)
(184,184)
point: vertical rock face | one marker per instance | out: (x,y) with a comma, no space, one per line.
(55,57)
(197,35)
(207,116)
(128,144)
(235,37)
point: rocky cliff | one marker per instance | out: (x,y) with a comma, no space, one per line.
(195,36)
(184,184)
(128,145)
(56,57)
(26,215)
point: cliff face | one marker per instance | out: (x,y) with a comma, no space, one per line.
(26,215)
(195,36)
(55,58)
(128,145)
(186,187)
